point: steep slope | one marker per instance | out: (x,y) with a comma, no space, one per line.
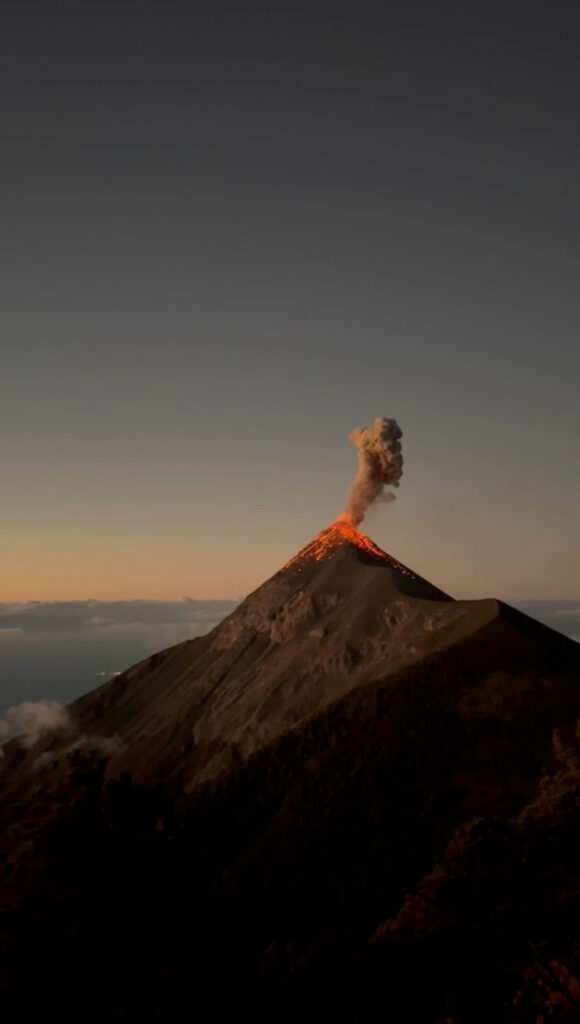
(356,799)
(338,615)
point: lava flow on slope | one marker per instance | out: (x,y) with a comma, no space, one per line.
(339,534)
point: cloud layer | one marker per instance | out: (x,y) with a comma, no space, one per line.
(31,720)
(59,650)
(563,616)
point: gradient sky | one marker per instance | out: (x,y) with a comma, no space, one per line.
(232,233)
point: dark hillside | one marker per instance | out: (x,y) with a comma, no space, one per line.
(409,852)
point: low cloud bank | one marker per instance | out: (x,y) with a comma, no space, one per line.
(563,616)
(31,720)
(60,650)
(28,619)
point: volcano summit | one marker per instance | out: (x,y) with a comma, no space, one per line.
(334,617)
(351,785)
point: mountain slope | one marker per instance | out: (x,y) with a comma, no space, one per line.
(346,762)
(339,615)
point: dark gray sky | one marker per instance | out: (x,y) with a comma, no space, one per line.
(233,233)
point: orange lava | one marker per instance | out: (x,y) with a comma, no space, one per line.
(343,532)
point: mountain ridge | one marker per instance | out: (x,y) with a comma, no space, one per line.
(300,811)
(331,617)
(339,614)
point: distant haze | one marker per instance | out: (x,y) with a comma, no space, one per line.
(57,651)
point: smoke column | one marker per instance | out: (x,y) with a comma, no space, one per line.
(380,464)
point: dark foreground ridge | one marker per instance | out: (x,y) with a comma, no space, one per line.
(354,800)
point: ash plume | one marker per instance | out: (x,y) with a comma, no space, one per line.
(380,464)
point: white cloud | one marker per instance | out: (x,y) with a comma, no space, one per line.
(30,720)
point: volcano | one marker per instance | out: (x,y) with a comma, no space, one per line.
(355,799)
(339,614)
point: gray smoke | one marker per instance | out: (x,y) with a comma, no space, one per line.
(380,464)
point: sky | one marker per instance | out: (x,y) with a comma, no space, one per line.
(234,232)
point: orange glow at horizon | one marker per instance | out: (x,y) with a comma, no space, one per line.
(226,561)
(69,570)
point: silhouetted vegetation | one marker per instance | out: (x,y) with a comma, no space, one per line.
(411,854)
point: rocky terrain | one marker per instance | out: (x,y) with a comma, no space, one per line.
(355,799)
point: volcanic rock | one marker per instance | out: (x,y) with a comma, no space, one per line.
(356,799)
(340,614)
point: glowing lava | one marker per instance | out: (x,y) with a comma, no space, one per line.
(337,534)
